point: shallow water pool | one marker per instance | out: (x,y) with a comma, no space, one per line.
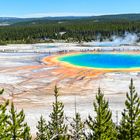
(103,61)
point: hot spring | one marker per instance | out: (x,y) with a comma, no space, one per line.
(103,61)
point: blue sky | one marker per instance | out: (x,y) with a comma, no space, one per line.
(40,8)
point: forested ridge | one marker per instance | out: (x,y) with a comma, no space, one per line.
(59,127)
(76,30)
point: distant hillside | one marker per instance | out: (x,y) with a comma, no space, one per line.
(70,29)
(13,20)
(131,17)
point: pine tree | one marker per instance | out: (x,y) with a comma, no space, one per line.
(123,127)
(77,131)
(1,91)
(42,130)
(26,132)
(102,127)
(56,129)
(18,129)
(130,123)
(137,131)
(3,121)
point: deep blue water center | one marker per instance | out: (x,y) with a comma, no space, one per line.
(103,61)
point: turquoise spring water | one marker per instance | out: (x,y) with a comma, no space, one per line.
(103,61)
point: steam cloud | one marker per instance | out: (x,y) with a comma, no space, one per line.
(127,39)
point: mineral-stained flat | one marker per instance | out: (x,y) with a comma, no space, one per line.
(29,83)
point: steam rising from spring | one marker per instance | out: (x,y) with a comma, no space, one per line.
(127,39)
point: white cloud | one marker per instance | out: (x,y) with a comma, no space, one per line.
(60,14)
(57,14)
